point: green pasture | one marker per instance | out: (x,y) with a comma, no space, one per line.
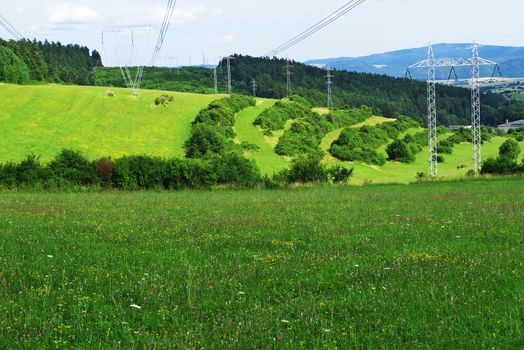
(426,266)
(44,119)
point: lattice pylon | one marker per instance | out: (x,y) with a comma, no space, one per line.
(229,86)
(432,115)
(475,111)
(329,77)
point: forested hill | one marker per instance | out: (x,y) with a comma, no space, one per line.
(23,61)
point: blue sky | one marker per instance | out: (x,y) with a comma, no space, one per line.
(216,28)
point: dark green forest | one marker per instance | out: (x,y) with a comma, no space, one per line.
(47,62)
(385,95)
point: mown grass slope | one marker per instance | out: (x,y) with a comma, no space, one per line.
(435,265)
(42,120)
(265,156)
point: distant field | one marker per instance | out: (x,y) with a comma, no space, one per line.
(436,265)
(42,120)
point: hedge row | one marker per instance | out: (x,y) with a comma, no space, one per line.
(462,135)
(405,150)
(305,135)
(70,169)
(275,118)
(360,145)
(212,131)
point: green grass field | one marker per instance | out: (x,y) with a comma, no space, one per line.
(44,119)
(435,265)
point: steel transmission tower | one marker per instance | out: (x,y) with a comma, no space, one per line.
(475,110)
(431,64)
(288,78)
(216,80)
(254,87)
(432,115)
(329,76)
(229,87)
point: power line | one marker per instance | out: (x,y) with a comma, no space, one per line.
(160,42)
(349,6)
(10,29)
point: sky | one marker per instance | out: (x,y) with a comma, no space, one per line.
(254,27)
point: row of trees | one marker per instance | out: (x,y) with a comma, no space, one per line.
(48,62)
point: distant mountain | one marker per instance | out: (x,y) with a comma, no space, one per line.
(510,59)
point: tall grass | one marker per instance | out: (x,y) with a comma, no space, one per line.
(436,265)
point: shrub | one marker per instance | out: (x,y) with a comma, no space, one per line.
(73,168)
(275,118)
(354,145)
(510,149)
(163,100)
(104,168)
(205,141)
(499,166)
(305,170)
(8,176)
(139,172)
(301,139)
(339,174)
(301,101)
(233,168)
(30,172)
(190,173)
(246,146)
(349,117)
(400,151)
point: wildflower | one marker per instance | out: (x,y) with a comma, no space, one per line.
(135,306)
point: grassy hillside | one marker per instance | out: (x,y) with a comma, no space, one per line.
(426,266)
(44,119)
(266,158)
(455,165)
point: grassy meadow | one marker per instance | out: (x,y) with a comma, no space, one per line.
(44,119)
(433,265)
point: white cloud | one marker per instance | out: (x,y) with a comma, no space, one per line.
(188,15)
(225,39)
(69,14)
